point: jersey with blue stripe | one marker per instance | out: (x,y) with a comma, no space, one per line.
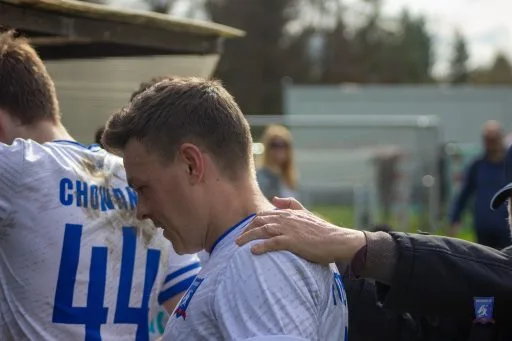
(75,263)
(181,271)
(240,296)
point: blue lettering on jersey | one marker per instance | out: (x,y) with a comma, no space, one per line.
(337,288)
(181,311)
(96,197)
(66,186)
(132,197)
(94,314)
(120,199)
(81,194)
(106,200)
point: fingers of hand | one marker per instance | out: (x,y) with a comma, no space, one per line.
(281,203)
(258,232)
(296,205)
(287,203)
(283,212)
(288,220)
(273,244)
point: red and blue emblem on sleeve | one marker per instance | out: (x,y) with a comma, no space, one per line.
(181,311)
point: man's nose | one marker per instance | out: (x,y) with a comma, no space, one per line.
(142,211)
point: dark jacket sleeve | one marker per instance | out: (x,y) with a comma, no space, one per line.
(365,311)
(441,276)
(468,188)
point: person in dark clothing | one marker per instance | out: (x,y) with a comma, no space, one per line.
(368,319)
(483,178)
(365,310)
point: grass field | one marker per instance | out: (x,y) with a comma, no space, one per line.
(344,216)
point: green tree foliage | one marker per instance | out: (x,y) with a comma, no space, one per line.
(498,73)
(252,67)
(459,72)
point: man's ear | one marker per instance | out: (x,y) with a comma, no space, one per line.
(194,161)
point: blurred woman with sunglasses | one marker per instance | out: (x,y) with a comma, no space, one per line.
(277,175)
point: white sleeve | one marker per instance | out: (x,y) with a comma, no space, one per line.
(275,294)
(181,272)
(11,166)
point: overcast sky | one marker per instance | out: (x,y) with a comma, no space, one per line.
(487,25)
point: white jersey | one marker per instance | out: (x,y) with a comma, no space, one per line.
(75,263)
(239,296)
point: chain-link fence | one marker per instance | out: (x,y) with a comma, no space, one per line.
(367,169)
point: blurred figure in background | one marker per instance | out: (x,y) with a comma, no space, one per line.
(482,179)
(442,183)
(387,161)
(508,140)
(277,175)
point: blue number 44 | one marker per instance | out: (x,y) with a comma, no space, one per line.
(94,314)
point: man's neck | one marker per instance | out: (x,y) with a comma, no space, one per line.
(232,205)
(496,157)
(47,132)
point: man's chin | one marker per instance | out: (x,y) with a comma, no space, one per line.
(176,246)
(179,250)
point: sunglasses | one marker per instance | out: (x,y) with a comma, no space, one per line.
(491,139)
(278,145)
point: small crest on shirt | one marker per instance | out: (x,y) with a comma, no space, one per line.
(181,311)
(484,307)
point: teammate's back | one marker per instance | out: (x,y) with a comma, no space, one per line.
(74,261)
(75,264)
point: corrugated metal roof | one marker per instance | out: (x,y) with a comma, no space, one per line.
(149,19)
